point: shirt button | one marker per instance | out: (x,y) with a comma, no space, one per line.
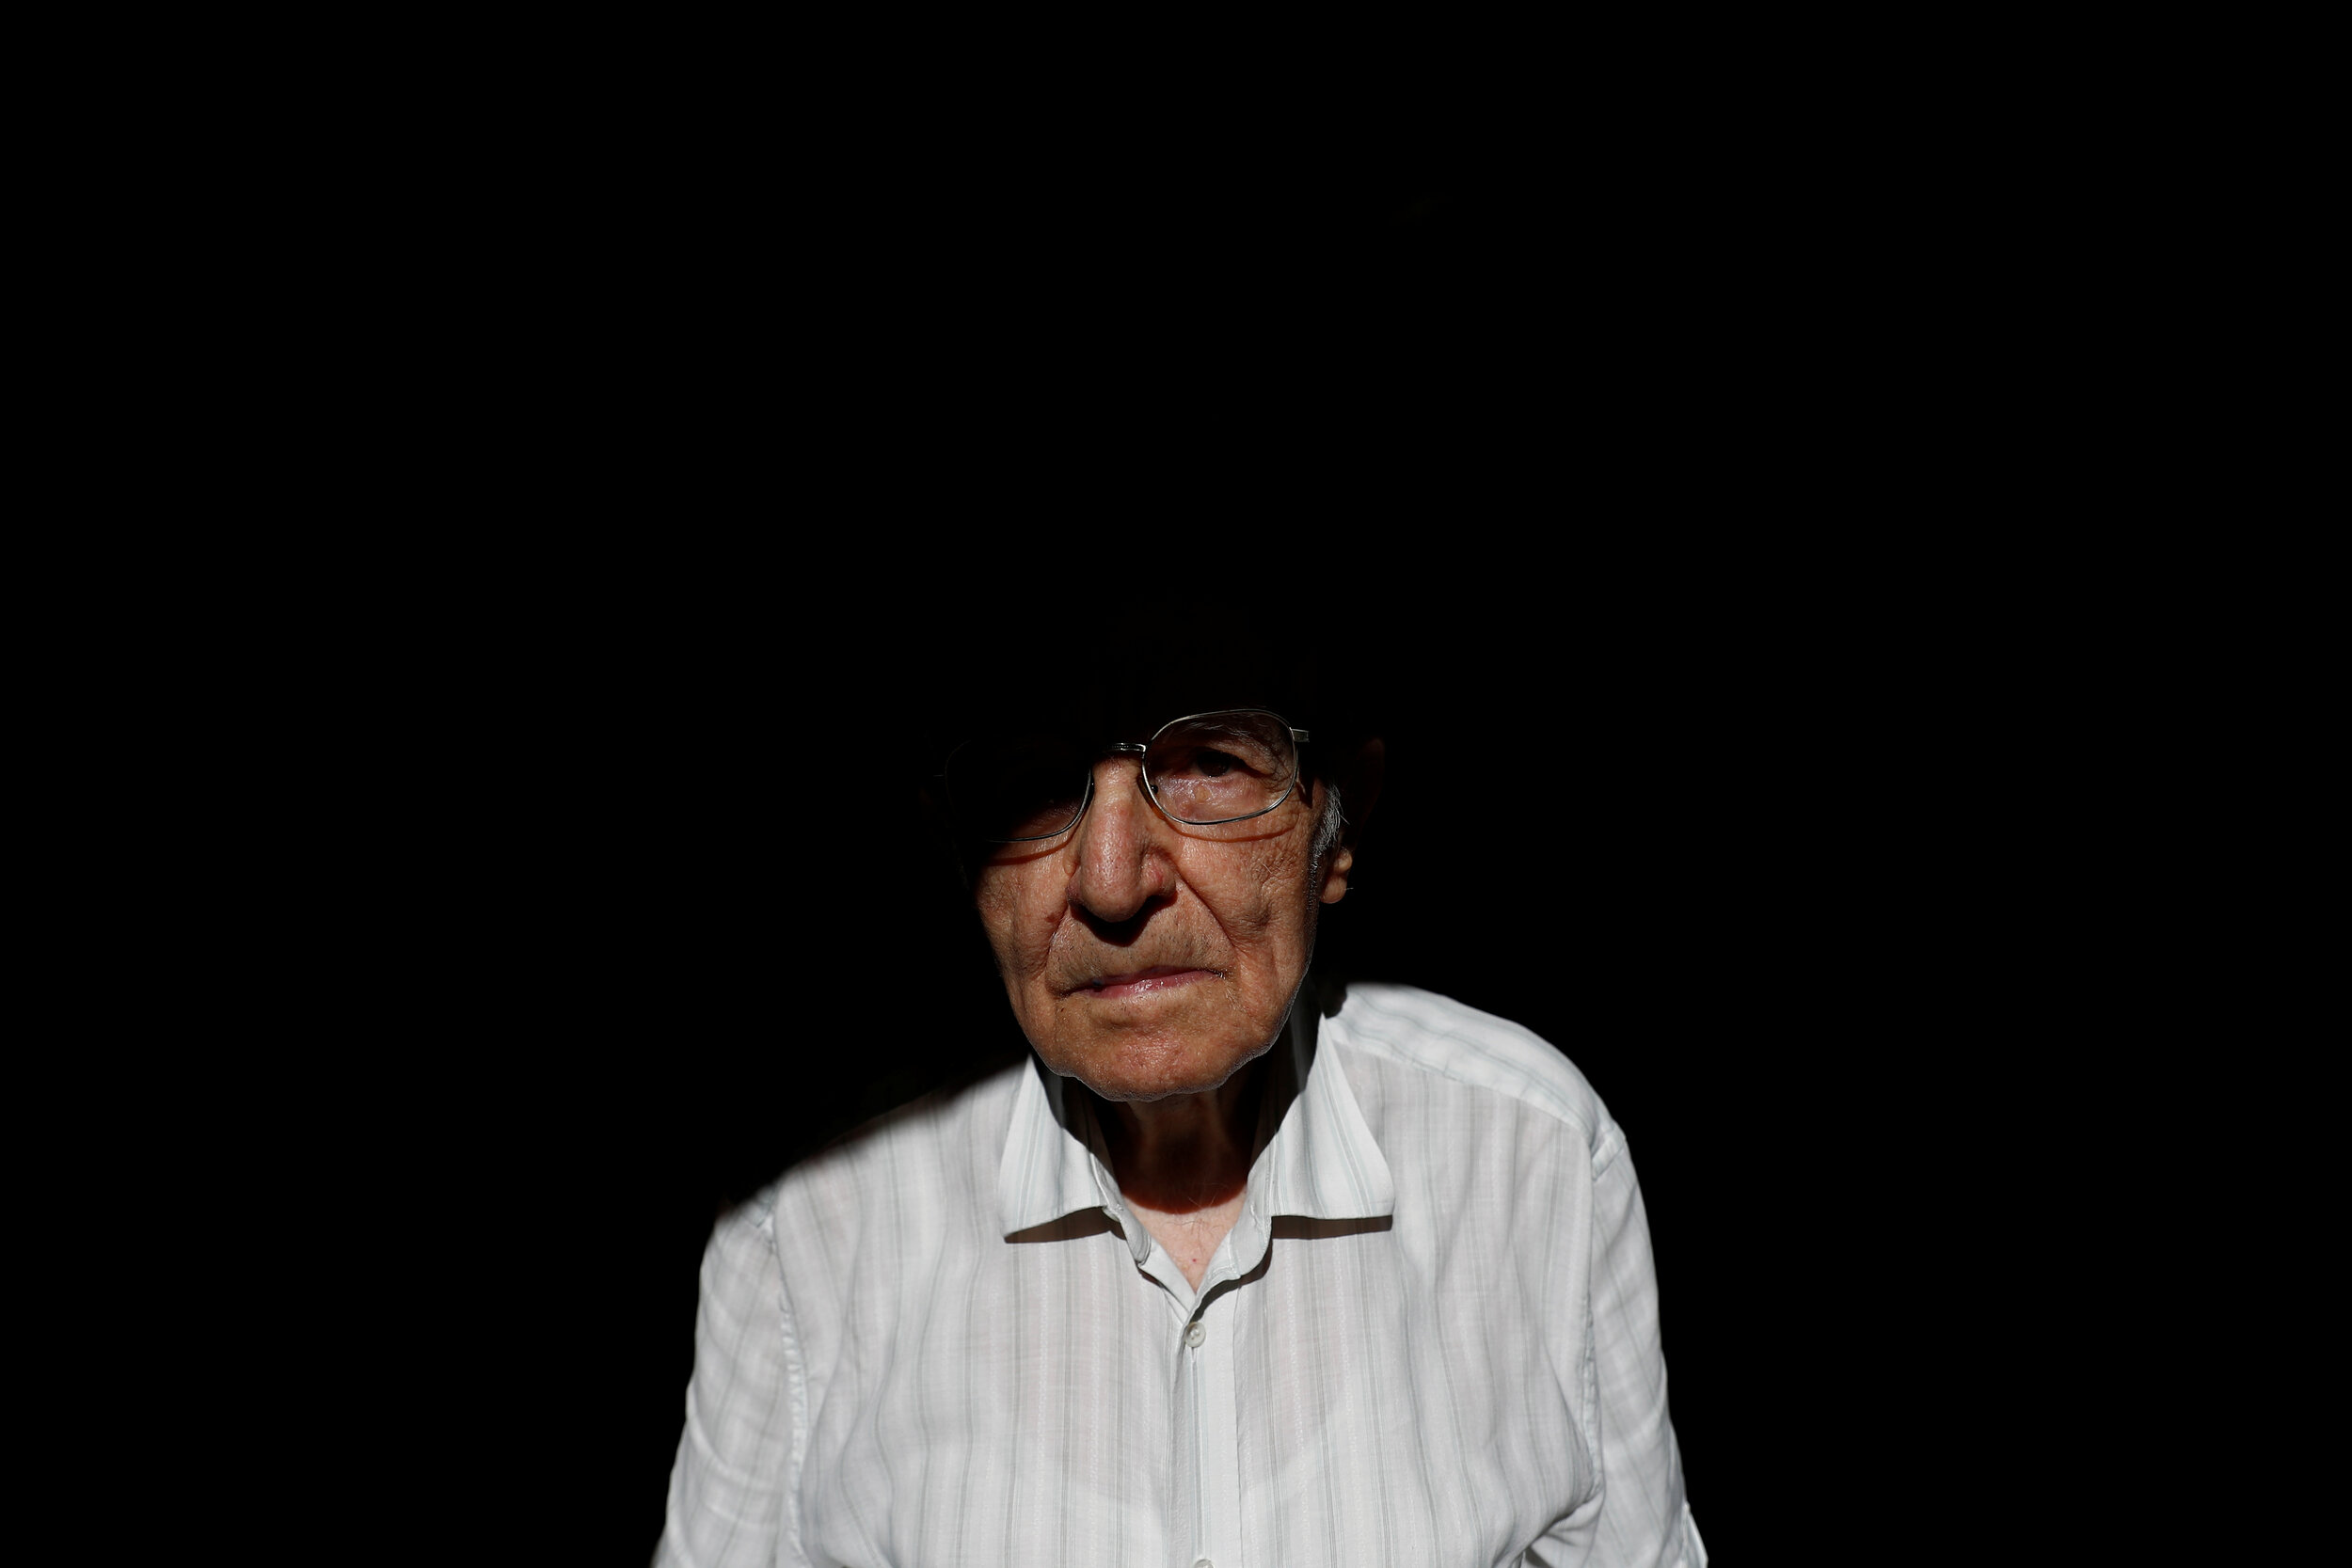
(1193,1336)
(1202,1562)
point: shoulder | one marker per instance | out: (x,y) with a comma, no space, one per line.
(1449,1042)
(935,1155)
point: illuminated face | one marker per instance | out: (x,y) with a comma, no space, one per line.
(1147,956)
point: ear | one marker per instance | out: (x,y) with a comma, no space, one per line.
(1359,791)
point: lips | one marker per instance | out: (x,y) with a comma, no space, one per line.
(1143,982)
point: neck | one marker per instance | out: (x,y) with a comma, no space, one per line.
(1187,1152)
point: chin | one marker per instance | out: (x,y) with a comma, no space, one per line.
(1152,1066)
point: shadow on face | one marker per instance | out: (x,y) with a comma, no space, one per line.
(1146,954)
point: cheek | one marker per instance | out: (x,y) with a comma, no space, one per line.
(1015,918)
(1265,903)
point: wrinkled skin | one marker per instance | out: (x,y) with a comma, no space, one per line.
(1231,909)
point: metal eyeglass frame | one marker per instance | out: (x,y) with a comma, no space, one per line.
(1138,748)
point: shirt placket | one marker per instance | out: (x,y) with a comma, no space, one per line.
(1216,1428)
(1209,1424)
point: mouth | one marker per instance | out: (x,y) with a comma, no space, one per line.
(1143,982)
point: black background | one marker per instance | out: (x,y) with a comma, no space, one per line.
(1795,716)
(1672,787)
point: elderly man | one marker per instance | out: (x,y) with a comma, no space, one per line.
(1237,1267)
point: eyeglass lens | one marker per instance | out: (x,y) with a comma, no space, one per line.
(1213,768)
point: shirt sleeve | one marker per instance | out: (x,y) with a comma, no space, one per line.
(1644,1520)
(734,1489)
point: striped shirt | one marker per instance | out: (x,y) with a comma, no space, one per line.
(1431,1337)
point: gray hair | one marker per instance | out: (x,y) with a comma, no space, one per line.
(1328,829)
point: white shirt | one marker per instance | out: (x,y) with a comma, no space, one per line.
(1431,1337)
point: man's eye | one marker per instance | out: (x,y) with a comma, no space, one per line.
(1205,762)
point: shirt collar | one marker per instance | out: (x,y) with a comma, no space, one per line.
(1047,1170)
(1322,1162)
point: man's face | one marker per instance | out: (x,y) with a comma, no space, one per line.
(1148,958)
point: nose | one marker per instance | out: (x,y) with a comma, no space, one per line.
(1121,865)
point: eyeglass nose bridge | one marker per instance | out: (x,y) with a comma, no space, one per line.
(1143,775)
(1085,801)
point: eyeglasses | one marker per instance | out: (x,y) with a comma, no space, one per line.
(1202,769)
